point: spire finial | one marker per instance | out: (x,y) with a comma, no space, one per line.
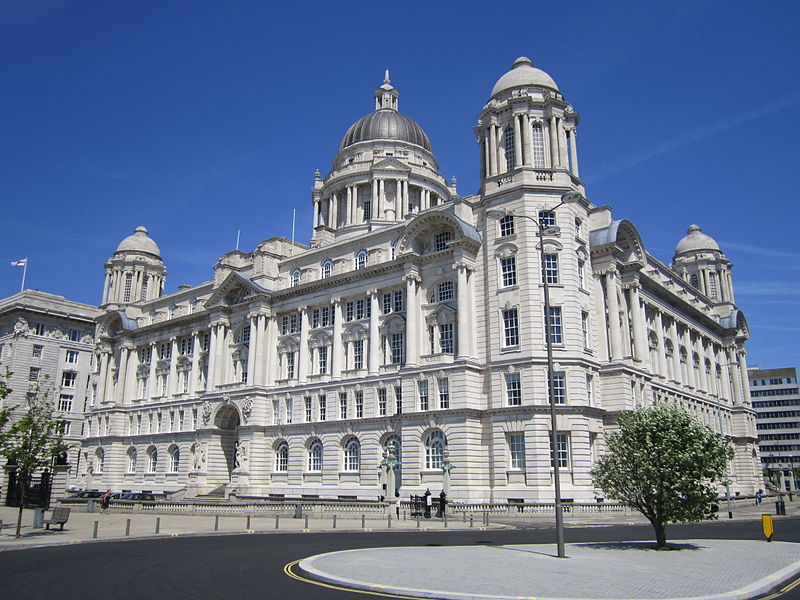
(386,77)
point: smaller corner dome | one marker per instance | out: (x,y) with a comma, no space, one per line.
(694,241)
(523,73)
(139,242)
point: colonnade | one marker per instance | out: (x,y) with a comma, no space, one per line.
(530,148)
(722,287)
(144,285)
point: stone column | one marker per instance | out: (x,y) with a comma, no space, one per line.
(404,187)
(639,327)
(573,149)
(562,144)
(334,212)
(745,397)
(660,348)
(517,143)
(612,304)
(270,363)
(412,317)
(173,366)
(486,160)
(152,383)
(336,358)
(464,290)
(302,359)
(258,354)
(374,336)
(252,351)
(106,285)
(687,343)
(211,379)
(194,374)
(676,356)
(554,152)
(119,392)
(316,212)
(493,149)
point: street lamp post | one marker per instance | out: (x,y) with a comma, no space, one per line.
(497,214)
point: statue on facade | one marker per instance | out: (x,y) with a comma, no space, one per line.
(240,456)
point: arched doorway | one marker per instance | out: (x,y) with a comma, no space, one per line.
(227,421)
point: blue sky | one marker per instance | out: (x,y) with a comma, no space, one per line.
(198,119)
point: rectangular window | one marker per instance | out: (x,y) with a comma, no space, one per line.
(359,397)
(547,218)
(516,450)
(360,309)
(163,379)
(590,390)
(37,351)
(559,387)
(587,342)
(387,304)
(358,354)
(445,291)
(398,297)
(307,403)
(513,389)
(186,345)
(289,410)
(72,357)
(165,350)
(555,325)
(325,316)
(398,348)
(349,311)
(422,387)
(323,359)
(186,377)
(290,365)
(446,338)
(367,210)
(38,328)
(508,271)
(582,274)
(33,374)
(537,141)
(441,240)
(444,392)
(323,407)
(294,323)
(68,379)
(315,318)
(343,405)
(65,403)
(398,400)
(562,440)
(205,341)
(284,325)
(507,226)
(510,328)
(381,402)
(74,335)
(550,268)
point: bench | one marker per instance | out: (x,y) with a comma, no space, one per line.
(59,517)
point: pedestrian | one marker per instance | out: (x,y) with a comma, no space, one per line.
(428,504)
(105,501)
(759,495)
(397,506)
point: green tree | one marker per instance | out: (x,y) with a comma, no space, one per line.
(663,463)
(30,442)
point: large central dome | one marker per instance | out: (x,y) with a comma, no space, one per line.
(386,123)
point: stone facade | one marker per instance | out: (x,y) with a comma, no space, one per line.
(411,330)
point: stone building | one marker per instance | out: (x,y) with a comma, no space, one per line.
(49,340)
(403,348)
(776,400)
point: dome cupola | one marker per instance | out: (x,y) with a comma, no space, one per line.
(694,241)
(523,74)
(139,242)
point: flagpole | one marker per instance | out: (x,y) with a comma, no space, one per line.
(24,271)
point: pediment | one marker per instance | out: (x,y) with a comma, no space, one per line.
(234,289)
(391,164)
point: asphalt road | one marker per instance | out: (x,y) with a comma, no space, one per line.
(251,566)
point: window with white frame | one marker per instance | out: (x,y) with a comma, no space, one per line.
(513,389)
(562,441)
(587,342)
(444,392)
(33,374)
(694,281)
(126,293)
(186,344)
(315,456)
(361,259)
(132,460)
(322,359)
(68,379)
(342,405)
(559,387)
(326,269)
(359,402)
(422,390)
(435,445)
(282,457)
(446,341)
(537,140)
(398,348)
(582,274)
(441,240)
(152,463)
(398,399)
(323,407)
(289,410)
(307,406)
(590,390)
(712,285)
(550,268)
(352,454)
(289,365)
(510,328)
(174,460)
(508,271)
(507,226)
(508,146)
(556,336)
(295,277)
(445,291)
(99,460)
(37,351)
(547,218)
(65,402)
(516,451)
(358,354)
(381,402)
(143,294)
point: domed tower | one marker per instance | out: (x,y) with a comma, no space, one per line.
(699,261)
(135,273)
(527,132)
(384,171)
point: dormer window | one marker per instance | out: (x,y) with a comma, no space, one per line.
(361,259)
(295,277)
(326,270)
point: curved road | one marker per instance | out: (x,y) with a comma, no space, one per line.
(233,567)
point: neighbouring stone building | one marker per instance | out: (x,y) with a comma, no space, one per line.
(776,400)
(403,347)
(47,340)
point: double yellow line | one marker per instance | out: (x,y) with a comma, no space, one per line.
(288,569)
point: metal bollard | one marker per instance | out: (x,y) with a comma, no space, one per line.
(127,527)
(334,521)
(405,515)
(471,524)
(94,531)
(158,524)
(389,522)
(363,521)
(487,519)
(216,523)
(248,523)
(90,506)
(38,518)
(277,523)
(305,523)
(1,525)
(445,521)
(417,522)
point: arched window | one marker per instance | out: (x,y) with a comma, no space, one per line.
(282,457)
(152,456)
(126,294)
(361,259)
(174,459)
(132,460)
(508,145)
(393,443)
(537,139)
(99,460)
(352,454)
(435,445)
(315,456)
(326,270)
(295,277)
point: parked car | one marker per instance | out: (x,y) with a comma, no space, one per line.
(138,497)
(86,495)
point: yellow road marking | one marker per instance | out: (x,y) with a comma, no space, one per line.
(783,590)
(288,570)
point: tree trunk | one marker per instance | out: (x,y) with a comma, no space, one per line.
(23,489)
(661,535)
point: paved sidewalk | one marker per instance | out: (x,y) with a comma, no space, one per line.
(707,569)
